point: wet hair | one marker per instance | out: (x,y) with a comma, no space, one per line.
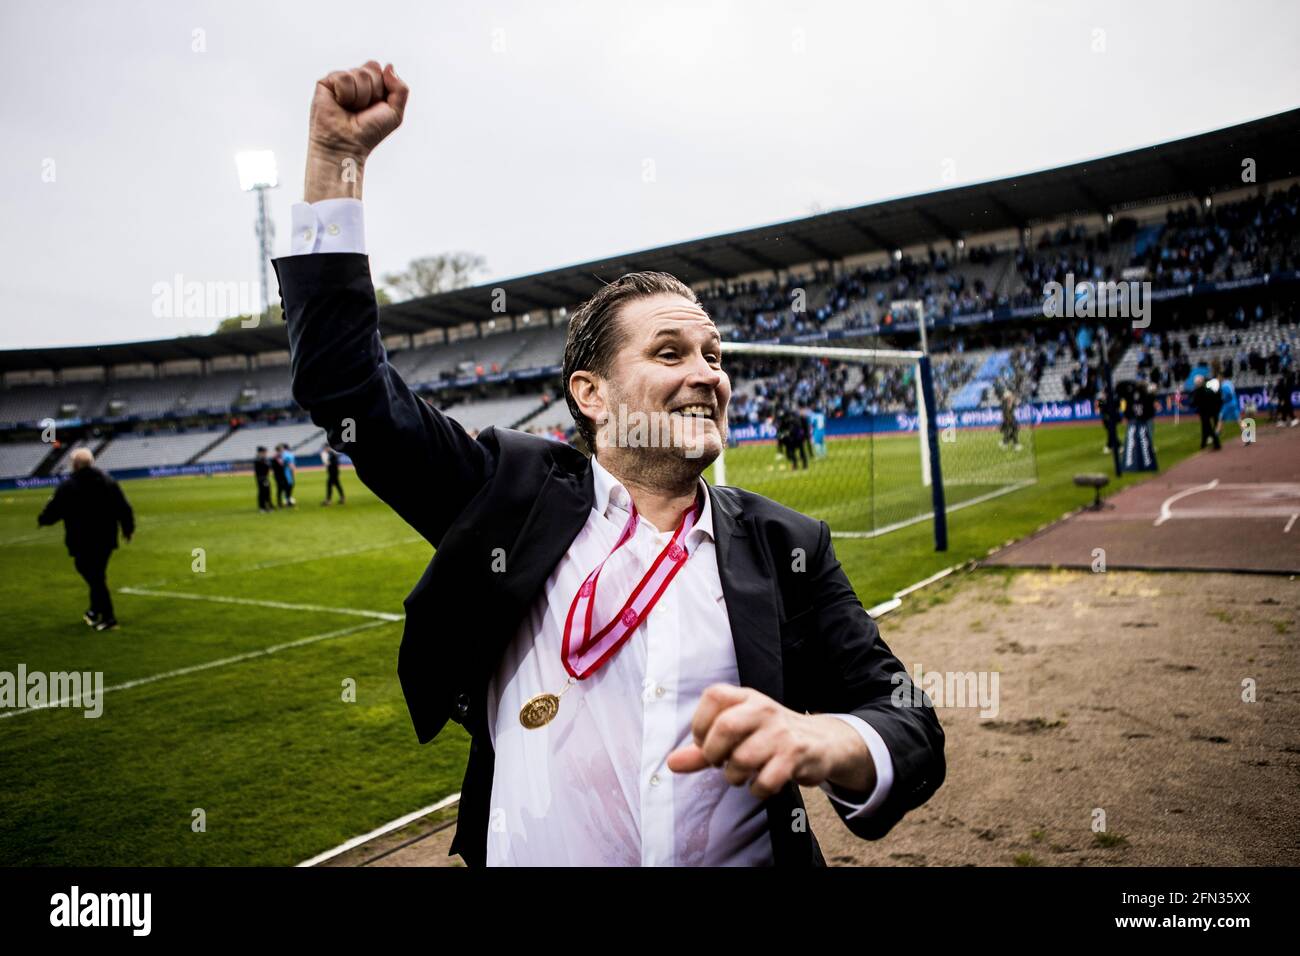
(595,335)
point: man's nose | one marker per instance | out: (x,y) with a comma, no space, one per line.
(703,375)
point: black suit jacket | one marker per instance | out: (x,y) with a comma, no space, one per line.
(801,635)
(91,506)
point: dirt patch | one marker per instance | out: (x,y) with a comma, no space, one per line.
(1129,709)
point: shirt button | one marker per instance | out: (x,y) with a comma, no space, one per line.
(654,779)
(659,691)
(306,235)
(332,229)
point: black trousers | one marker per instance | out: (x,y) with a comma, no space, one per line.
(1209,430)
(93,566)
(264,495)
(332,482)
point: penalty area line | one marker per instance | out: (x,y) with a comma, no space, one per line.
(977,500)
(257,602)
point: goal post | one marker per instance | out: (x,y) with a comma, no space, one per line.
(926,418)
(873,440)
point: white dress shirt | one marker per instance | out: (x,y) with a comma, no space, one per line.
(592,787)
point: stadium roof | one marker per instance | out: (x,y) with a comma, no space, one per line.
(1197,166)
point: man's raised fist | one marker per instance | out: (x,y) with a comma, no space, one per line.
(354,110)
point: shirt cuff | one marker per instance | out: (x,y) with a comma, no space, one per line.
(884,772)
(331,225)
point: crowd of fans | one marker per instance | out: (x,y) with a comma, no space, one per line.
(1195,244)
(1231,241)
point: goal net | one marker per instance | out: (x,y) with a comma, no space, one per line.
(873,440)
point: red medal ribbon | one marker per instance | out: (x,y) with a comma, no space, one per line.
(595,649)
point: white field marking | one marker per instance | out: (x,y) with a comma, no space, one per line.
(1166,514)
(937,576)
(223,662)
(978,499)
(38,536)
(255,602)
(1290,523)
(284,562)
(386,828)
(1239,514)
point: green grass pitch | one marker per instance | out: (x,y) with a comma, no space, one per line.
(228,720)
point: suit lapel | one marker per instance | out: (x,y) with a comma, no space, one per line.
(561,509)
(749,587)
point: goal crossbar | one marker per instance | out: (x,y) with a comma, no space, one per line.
(865,356)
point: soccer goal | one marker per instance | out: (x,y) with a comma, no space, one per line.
(893,447)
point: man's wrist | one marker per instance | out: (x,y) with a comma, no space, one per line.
(851,765)
(332,174)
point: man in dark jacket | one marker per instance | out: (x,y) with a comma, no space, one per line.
(262,473)
(332,475)
(91,506)
(282,496)
(1207,404)
(772,675)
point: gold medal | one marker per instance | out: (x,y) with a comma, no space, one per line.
(541,710)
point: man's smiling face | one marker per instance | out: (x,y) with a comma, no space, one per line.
(670,363)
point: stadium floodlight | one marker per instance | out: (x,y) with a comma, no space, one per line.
(257,173)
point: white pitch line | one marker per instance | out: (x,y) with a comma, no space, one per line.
(195,668)
(285,562)
(386,828)
(1290,523)
(1166,514)
(255,602)
(978,499)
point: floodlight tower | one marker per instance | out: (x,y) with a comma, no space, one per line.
(257,174)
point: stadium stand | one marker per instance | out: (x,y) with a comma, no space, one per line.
(982,295)
(241,444)
(154,450)
(19,459)
(498,411)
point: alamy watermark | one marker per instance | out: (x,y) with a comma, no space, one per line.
(179,299)
(1128,299)
(947,689)
(33,690)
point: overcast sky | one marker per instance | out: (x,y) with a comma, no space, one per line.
(530,124)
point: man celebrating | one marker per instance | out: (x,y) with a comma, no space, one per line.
(91,506)
(648,666)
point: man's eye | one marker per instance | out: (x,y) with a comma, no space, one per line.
(668,352)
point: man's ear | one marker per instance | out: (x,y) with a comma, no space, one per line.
(585,388)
